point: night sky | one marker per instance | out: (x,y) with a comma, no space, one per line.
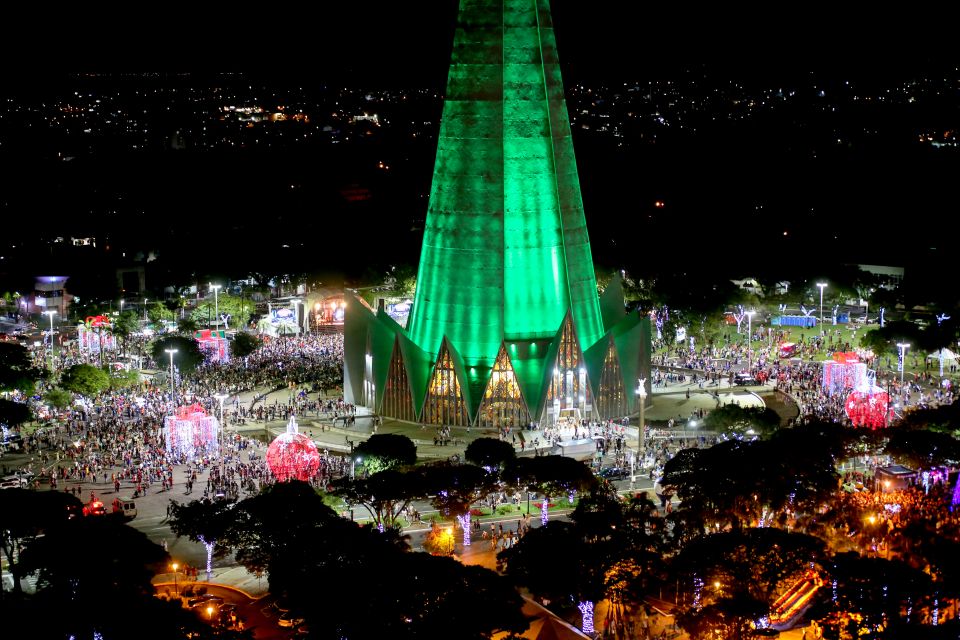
(841,208)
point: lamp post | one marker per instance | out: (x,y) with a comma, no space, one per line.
(144,309)
(121,306)
(216,303)
(822,286)
(749,315)
(220,398)
(642,394)
(51,313)
(173,392)
(176,586)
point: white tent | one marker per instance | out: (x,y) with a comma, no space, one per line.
(947,355)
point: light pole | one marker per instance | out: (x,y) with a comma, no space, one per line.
(822,286)
(642,394)
(216,303)
(121,306)
(749,315)
(144,309)
(51,313)
(176,586)
(173,392)
(220,398)
(903,346)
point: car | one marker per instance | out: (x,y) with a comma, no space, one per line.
(289,620)
(205,599)
(743,378)
(614,473)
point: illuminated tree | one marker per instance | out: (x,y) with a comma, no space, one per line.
(453,488)
(552,476)
(384,451)
(490,453)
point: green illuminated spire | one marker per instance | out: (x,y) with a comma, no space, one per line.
(505,249)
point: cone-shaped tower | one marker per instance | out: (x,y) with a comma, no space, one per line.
(505,249)
(506,267)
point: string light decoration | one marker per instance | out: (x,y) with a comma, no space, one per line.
(292,455)
(213,345)
(868,406)
(94,335)
(844,372)
(190,432)
(586,610)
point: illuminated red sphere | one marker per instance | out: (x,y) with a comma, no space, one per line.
(293,456)
(868,407)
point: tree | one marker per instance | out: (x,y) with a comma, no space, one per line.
(244,344)
(923,449)
(737,574)
(24,515)
(454,488)
(734,419)
(187,358)
(87,562)
(58,398)
(272,531)
(124,379)
(85,379)
(385,451)
(13,413)
(881,592)
(187,326)
(17,372)
(490,453)
(203,521)
(552,475)
(230,306)
(384,494)
(124,326)
(439,541)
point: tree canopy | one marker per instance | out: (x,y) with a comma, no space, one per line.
(85,379)
(16,369)
(187,358)
(490,453)
(244,344)
(385,451)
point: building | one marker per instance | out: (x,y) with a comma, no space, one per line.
(49,294)
(506,326)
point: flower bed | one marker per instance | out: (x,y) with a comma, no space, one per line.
(539,505)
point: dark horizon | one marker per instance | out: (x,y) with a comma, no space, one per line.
(829,177)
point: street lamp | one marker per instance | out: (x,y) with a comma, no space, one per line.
(822,286)
(903,346)
(176,588)
(749,315)
(144,309)
(216,303)
(51,313)
(642,394)
(173,392)
(121,306)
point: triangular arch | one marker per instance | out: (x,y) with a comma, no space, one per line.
(445,403)
(612,398)
(503,404)
(398,397)
(568,396)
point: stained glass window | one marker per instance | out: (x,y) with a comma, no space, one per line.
(503,404)
(444,404)
(568,394)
